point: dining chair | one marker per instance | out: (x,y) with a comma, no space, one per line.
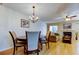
(32,42)
(48,37)
(16,43)
(45,39)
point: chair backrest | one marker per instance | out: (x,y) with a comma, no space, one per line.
(12,38)
(48,34)
(32,40)
(14,35)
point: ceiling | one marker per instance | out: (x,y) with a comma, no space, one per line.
(45,11)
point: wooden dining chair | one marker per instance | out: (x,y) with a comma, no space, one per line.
(45,39)
(16,43)
(32,42)
(48,37)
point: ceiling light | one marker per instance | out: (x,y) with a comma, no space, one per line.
(33,18)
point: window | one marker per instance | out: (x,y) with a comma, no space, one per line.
(54,28)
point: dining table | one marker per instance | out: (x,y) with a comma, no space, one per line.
(23,39)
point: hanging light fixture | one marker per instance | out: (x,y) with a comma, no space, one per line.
(33,18)
(67,18)
(70,18)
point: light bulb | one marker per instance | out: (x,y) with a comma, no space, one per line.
(67,19)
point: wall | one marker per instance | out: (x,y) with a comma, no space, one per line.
(10,20)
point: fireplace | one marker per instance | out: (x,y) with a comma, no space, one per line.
(67,36)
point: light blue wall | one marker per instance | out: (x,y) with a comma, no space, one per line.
(10,20)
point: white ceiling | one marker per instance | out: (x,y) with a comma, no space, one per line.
(45,11)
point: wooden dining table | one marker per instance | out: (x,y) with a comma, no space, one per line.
(23,38)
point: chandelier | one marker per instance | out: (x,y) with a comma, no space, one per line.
(33,18)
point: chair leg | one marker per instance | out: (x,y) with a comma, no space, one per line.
(16,48)
(48,45)
(24,49)
(41,46)
(26,53)
(14,51)
(37,53)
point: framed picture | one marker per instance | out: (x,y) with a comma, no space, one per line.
(25,23)
(67,26)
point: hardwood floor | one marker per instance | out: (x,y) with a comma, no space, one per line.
(56,48)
